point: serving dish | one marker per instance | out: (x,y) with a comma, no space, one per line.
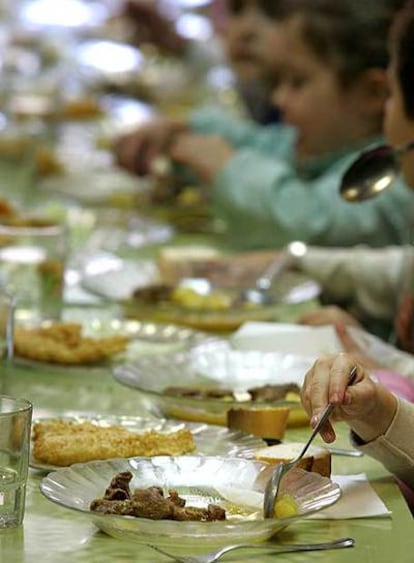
(213,365)
(209,440)
(160,304)
(237,484)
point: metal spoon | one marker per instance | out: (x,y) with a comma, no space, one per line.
(373,172)
(259,294)
(272,487)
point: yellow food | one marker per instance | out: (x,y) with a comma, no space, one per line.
(286,507)
(64,442)
(190,299)
(63,343)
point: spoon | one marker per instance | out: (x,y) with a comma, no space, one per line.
(259,294)
(272,487)
(373,172)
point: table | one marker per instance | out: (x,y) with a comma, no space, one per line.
(57,535)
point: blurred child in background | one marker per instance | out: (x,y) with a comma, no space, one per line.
(275,184)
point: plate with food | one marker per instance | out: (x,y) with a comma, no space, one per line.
(205,382)
(186,499)
(196,302)
(96,343)
(62,441)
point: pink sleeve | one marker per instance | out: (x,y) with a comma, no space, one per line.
(400,385)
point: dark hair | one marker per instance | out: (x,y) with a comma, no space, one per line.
(402,44)
(270,8)
(349,34)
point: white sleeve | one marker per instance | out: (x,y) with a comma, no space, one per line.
(368,277)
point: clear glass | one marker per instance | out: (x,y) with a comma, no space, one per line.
(15,425)
(32,263)
(7,305)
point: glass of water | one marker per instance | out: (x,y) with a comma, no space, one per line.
(32,263)
(15,427)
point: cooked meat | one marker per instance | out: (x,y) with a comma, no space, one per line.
(272,392)
(150,503)
(119,487)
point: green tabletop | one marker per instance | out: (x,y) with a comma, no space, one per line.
(55,534)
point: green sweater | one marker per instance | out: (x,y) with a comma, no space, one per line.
(266,201)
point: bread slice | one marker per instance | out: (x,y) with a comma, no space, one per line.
(267,422)
(316,459)
(175,263)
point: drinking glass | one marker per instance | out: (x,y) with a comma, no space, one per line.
(15,426)
(32,262)
(7,306)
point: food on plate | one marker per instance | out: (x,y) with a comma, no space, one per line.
(175,263)
(236,270)
(151,503)
(265,393)
(47,162)
(63,343)
(187,298)
(316,459)
(286,506)
(64,442)
(81,108)
(269,423)
(6,209)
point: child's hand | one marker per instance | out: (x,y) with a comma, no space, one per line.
(328,316)
(136,150)
(206,155)
(366,406)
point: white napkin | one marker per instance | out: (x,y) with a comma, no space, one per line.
(358,500)
(313,341)
(288,338)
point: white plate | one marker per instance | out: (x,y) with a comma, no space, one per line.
(209,364)
(201,480)
(209,440)
(114,279)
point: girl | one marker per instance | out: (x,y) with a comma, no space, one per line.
(381,424)
(275,184)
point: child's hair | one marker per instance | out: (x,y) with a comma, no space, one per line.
(402,37)
(350,35)
(270,8)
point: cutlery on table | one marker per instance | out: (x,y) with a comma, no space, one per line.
(215,555)
(272,487)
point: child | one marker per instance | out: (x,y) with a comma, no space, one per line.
(381,424)
(275,184)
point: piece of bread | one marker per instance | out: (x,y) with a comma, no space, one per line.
(316,459)
(175,263)
(267,422)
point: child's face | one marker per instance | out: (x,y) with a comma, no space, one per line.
(252,43)
(327,116)
(399,129)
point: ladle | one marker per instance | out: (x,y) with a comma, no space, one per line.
(373,172)
(260,293)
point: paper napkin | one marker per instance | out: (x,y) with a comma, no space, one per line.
(358,500)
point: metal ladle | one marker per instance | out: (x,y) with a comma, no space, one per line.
(260,294)
(373,172)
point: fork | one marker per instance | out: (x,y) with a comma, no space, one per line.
(215,555)
(272,487)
